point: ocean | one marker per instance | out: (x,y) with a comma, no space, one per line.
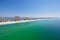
(37,30)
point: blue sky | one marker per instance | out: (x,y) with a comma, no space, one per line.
(30,8)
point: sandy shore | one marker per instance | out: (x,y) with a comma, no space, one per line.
(12,22)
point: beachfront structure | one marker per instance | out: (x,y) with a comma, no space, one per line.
(2,19)
(17,18)
(26,18)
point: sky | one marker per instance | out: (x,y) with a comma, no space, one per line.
(30,8)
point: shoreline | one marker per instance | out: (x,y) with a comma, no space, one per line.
(13,22)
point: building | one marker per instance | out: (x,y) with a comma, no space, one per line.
(2,19)
(17,18)
(26,18)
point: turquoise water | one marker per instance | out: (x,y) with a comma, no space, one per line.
(39,30)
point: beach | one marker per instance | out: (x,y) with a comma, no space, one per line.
(12,22)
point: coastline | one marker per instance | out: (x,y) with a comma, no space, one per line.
(13,22)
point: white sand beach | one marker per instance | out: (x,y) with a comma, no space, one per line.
(12,22)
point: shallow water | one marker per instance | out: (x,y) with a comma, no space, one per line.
(39,30)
